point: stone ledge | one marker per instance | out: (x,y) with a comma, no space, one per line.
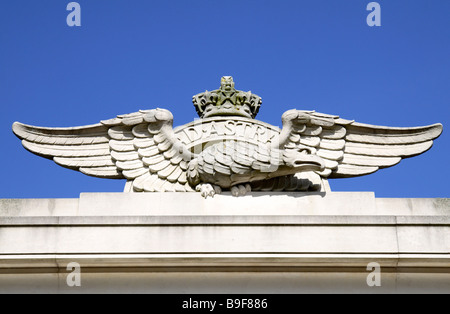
(223,220)
(414,263)
(261,204)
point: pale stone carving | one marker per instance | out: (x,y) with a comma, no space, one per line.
(227,149)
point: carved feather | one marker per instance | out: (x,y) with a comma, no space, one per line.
(102,172)
(77,162)
(90,134)
(387,150)
(50,151)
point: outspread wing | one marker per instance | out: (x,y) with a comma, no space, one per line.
(352,149)
(140,147)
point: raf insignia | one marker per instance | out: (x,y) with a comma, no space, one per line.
(227,148)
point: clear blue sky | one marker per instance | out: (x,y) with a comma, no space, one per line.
(131,55)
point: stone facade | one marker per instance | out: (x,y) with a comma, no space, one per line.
(260,243)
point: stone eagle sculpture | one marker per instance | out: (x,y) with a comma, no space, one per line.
(227,149)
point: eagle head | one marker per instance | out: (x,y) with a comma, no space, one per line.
(302,158)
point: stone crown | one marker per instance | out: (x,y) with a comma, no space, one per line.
(227,101)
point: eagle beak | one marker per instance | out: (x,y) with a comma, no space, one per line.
(312,162)
(303,159)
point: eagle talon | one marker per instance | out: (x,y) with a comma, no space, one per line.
(207,189)
(240,189)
